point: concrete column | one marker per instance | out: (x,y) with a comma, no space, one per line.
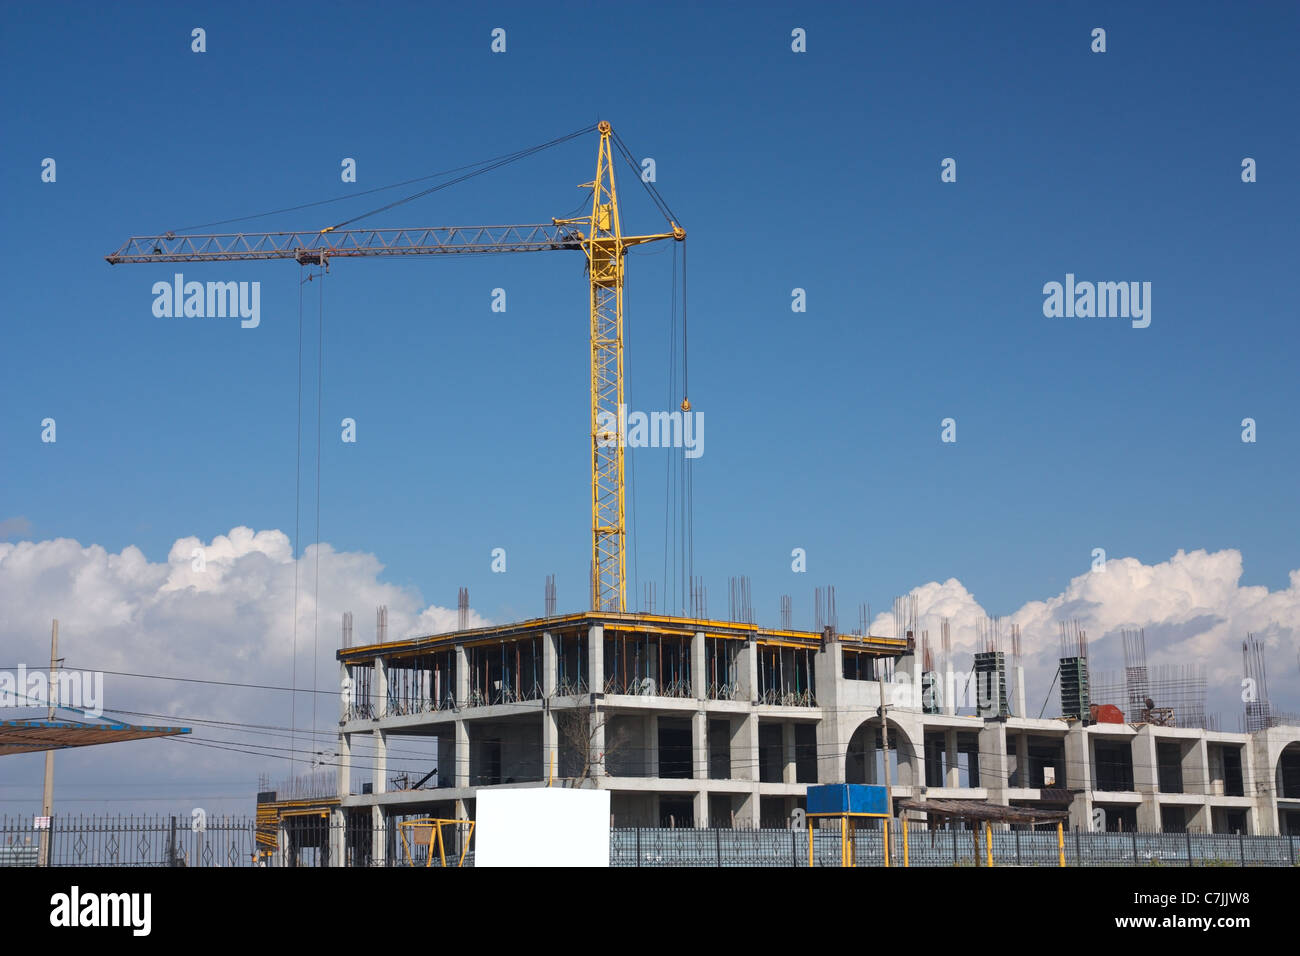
(461,685)
(652,745)
(1142,746)
(700,746)
(747,665)
(701,801)
(282,851)
(336,842)
(1146,780)
(596,682)
(380,688)
(596,659)
(951,771)
(343,775)
(379,777)
(1077,775)
(907,673)
(1196,767)
(699,672)
(598,717)
(1077,772)
(1258,819)
(379,840)
(949,689)
(744,747)
(747,809)
(1215,783)
(1022,760)
(789,767)
(832,745)
(550,664)
(993,765)
(347,697)
(550,743)
(828,674)
(461,755)
(1081,813)
(550,731)
(1021,698)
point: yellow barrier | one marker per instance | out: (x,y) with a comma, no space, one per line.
(430,829)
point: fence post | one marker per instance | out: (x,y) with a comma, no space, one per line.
(1017,833)
(638,846)
(1135,848)
(1078,849)
(1188,834)
(1290,842)
(717,845)
(954,842)
(1241,844)
(794,847)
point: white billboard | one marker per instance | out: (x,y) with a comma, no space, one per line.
(541,826)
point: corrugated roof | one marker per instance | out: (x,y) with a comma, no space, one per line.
(34,736)
(975,810)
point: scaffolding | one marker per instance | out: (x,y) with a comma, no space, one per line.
(1076,692)
(423,683)
(648,665)
(506,673)
(721,664)
(785,675)
(572,667)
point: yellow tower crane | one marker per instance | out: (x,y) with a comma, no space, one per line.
(600,236)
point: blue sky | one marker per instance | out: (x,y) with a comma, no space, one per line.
(818,171)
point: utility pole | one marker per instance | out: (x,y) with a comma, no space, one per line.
(47,797)
(884,739)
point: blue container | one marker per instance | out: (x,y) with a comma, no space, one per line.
(847,798)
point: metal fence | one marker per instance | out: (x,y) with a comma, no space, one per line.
(129,841)
(314,841)
(949,847)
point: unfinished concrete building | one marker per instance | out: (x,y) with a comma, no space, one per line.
(693,723)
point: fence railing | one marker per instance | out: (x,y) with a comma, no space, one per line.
(130,841)
(321,841)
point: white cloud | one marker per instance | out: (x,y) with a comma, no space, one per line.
(1193,608)
(232,621)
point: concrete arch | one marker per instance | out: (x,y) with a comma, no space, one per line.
(863,760)
(1286,771)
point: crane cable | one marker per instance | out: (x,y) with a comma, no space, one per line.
(497,160)
(320,377)
(679,501)
(297,513)
(689,505)
(496,164)
(649,186)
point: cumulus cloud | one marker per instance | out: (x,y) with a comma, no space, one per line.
(1193,608)
(221,610)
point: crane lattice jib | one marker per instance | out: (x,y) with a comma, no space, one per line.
(599,236)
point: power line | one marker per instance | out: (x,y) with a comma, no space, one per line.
(201,680)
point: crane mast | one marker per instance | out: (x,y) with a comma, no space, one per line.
(599,236)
